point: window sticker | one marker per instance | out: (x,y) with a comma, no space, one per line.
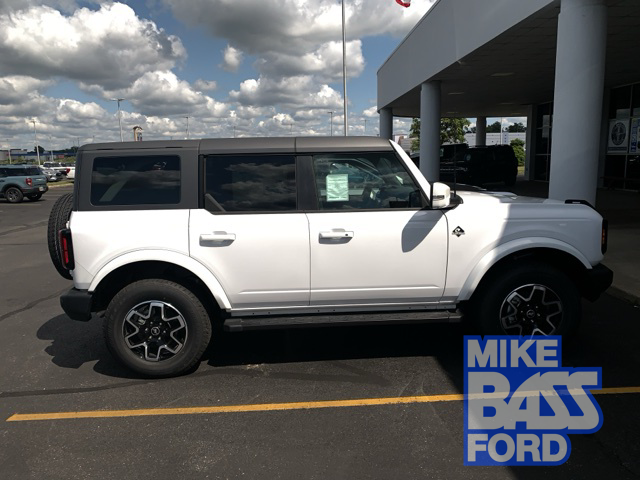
(338,187)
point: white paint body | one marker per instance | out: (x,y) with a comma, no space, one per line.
(336,261)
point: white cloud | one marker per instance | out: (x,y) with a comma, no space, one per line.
(163,93)
(297,45)
(288,92)
(232,58)
(15,88)
(371,112)
(325,63)
(259,26)
(110,47)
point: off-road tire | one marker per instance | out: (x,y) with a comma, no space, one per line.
(493,310)
(180,300)
(58,218)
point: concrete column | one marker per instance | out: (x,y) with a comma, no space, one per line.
(481,131)
(386,123)
(579,87)
(430,130)
(529,143)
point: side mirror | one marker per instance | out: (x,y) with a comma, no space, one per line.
(440,195)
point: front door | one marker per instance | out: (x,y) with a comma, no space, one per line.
(371,240)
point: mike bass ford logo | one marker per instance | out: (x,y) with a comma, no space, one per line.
(521,404)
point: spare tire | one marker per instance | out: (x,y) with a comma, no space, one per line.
(58,218)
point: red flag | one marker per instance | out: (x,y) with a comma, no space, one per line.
(405,3)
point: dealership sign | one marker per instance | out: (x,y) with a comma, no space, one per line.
(618,140)
(521,404)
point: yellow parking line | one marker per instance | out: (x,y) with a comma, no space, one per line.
(264,407)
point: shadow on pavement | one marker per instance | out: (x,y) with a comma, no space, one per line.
(75,343)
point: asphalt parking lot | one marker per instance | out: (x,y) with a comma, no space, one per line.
(53,364)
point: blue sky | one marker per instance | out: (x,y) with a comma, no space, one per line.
(249,68)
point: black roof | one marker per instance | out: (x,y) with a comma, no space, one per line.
(255,145)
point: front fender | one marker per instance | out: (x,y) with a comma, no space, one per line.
(506,249)
(166,256)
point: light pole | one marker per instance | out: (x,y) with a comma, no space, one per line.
(290,125)
(330,112)
(9,151)
(365,126)
(119,116)
(50,149)
(187,117)
(35,139)
(344,69)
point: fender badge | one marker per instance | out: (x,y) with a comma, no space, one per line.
(457,232)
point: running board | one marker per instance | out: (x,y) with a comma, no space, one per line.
(263,323)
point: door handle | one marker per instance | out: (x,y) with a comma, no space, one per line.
(217,237)
(336,235)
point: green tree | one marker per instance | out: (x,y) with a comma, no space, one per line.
(414,133)
(452,130)
(518,149)
(40,150)
(494,127)
(517,127)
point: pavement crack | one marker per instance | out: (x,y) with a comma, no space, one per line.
(30,305)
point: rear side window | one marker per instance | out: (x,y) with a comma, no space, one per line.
(32,171)
(250,183)
(136,180)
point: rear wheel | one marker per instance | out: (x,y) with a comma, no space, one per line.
(530,299)
(58,218)
(13,195)
(157,328)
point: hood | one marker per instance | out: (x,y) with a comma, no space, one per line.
(487,197)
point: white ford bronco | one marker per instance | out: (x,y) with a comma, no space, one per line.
(164,239)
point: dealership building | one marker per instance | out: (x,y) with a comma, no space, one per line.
(569,66)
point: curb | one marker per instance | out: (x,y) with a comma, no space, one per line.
(64,183)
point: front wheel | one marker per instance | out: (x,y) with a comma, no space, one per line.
(157,328)
(530,299)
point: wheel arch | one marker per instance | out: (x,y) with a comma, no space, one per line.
(9,185)
(558,254)
(187,272)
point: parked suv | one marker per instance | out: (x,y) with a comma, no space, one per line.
(480,165)
(19,181)
(165,239)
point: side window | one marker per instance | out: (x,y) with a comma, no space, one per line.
(250,183)
(136,180)
(3,172)
(364,181)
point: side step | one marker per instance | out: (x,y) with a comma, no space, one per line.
(319,320)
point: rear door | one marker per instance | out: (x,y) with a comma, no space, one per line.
(372,242)
(250,233)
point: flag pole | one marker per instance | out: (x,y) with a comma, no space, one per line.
(344,69)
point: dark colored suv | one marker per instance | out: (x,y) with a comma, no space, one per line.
(480,165)
(19,181)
